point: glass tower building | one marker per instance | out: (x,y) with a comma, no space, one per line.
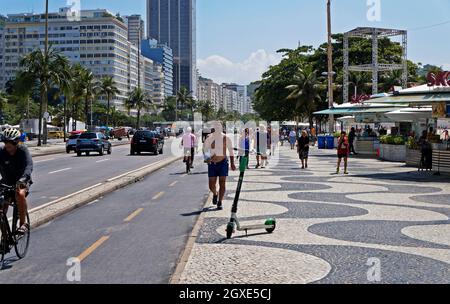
(173,22)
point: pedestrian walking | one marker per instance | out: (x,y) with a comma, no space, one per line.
(219,155)
(245,144)
(351,140)
(343,152)
(261,147)
(292,139)
(426,150)
(303,149)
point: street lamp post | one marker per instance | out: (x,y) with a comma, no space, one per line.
(330,67)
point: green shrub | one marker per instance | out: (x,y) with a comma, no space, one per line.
(337,134)
(392,140)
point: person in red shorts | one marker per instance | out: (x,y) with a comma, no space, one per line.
(343,150)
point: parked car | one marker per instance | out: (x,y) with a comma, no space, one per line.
(147,141)
(93,142)
(71,144)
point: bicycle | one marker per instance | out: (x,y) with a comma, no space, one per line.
(9,233)
(187,160)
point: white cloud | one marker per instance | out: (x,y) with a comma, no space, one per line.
(221,69)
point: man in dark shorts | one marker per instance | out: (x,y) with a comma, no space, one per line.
(343,151)
(16,166)
(215,148)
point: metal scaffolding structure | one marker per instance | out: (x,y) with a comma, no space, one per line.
(375,67)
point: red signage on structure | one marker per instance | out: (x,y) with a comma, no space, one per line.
(440,79)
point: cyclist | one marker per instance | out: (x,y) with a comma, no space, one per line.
(16,166)
(189,143)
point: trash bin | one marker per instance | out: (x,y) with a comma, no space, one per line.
(330,142)
(321,142)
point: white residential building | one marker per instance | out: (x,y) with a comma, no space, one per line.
(98,40)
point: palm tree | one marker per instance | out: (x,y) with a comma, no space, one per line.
(47,69)
(138,99)
(89,88)
(207,109)
(304,91)
(184,98)
(108,88)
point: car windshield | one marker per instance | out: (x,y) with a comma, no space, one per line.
(74,136)
(88,136)
(146,134)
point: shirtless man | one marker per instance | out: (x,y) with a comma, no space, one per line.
(215,148)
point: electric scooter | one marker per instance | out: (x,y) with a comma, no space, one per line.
(234,224)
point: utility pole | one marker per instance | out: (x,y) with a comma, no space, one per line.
(330,66)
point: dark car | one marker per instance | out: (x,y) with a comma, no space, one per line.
(71,144)
(93,142)
(147,141)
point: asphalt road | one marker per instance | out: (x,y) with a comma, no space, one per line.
(134,235)
(59,175)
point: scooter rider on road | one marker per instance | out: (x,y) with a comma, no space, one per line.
(16,166)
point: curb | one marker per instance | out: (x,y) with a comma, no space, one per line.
(184,257)
(62,149)
(48,212)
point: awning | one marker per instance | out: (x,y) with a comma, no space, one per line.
(410,114)
(356,110)
(413,99)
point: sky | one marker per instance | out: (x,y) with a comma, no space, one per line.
(237,39)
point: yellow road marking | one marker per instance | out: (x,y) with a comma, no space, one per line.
(93,247)
(157,196)
(173,184)
(133,215)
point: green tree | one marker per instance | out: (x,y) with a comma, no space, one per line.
(47,70)
(185,100)
(138,99)
(207,109)
(108,88)
(89,87)
(304,92)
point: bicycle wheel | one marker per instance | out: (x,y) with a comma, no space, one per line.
(3,242)
(22,241)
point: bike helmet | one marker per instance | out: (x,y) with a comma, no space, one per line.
(11,135)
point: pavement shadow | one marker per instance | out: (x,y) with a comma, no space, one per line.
(204,210)
(406,177)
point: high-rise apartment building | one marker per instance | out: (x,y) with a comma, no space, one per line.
(97,40)
(173,22)
(136,28)
(2,28)
(208,90)
(162,54)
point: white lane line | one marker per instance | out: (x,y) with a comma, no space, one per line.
(173,184)
(43,160)
(103,160)
(133,171)
(63,198)
(58,171)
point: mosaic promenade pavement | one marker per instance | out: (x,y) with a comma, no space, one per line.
(383,223)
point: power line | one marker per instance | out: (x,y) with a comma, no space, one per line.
(430,26)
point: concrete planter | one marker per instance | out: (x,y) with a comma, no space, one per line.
(413,158)
(393,153)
